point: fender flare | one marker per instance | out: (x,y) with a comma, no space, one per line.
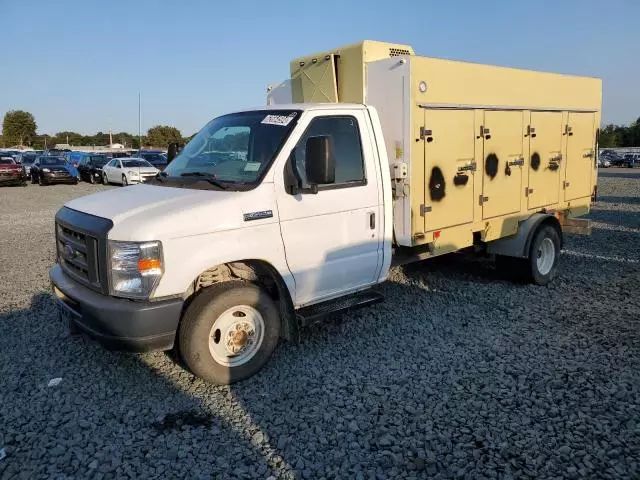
(518,245)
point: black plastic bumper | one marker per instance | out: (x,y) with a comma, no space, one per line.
(117,323)
(49,179)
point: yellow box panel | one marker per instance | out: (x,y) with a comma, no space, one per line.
(516,173)
(580,155)
(449,168)
(545,158)
(503,163)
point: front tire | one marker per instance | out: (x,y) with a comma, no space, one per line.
(229,332)
(124,181)
(105,180)
(92,179)
(41,181)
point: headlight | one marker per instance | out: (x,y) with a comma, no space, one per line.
(136,268)
(46,170)
(133,174)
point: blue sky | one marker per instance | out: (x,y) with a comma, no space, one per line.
(79,64)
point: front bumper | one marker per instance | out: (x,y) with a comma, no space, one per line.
(12,180)
(50,179)
(114,322)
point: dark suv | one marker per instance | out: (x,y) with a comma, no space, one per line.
(90,167)
(155,158)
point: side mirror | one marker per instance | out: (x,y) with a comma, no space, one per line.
(320,161)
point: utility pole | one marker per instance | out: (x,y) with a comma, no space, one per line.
(139,123)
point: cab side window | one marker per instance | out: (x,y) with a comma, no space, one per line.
(347,148)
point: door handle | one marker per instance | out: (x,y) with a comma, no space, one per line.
(372,220)
(519,161)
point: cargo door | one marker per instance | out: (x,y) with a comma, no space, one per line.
(503,163)
(545,157)
(316,81)
(580,155)
(449,143)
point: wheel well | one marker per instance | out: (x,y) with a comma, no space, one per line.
(549,220)
(258,272)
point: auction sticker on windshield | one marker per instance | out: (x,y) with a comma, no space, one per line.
(282,120)
(252,166)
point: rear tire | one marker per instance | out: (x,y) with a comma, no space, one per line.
(544,254)
(229,332)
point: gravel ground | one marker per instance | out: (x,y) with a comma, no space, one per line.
(459,374)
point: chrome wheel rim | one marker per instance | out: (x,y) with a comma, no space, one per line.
(236,336)
(546,256)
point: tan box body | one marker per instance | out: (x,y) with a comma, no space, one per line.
(474,149)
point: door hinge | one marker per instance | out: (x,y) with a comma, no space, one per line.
(483,199)
(426,133)
(527,191)
(568,130)
(424,209)
(484,132)
(531,132)
(565,184)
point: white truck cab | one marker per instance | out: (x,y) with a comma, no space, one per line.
(265,212)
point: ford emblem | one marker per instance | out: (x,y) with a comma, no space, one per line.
(68,251)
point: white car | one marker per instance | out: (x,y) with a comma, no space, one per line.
(127,171)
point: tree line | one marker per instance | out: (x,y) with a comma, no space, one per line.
(19,128)
(612,136)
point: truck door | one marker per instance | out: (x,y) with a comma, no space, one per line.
(333,238)
(449,146)
(503,163)
(545,158)
(580,135)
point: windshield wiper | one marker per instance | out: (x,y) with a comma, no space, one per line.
(206,176)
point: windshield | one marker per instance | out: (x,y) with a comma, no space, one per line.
(235,148)
(135,163)
(98,160)
(6,161)
(28,160)
(51,161)
(154,157)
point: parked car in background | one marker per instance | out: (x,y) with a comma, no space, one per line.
(55,152)
(155,157)
(14,154)
(630,160)
(613,158)
(26,160)
(47,170)
(11,172)
(126,171)
(90,167)
(603,162)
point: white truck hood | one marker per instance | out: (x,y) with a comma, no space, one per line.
(148,212)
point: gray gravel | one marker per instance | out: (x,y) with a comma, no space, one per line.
(459,374)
